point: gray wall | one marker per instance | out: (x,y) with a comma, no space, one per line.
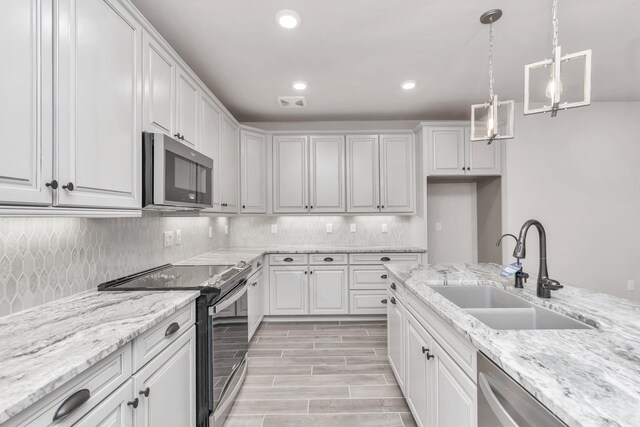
(579,174)
(45,259)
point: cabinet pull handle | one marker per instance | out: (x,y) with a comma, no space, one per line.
(224,205)
(176,135)
(328,259)
(69,186)
(145,392)
(385,258)
(393,300)
(254,283)
(172,329)
(393,286)
(426,351)
(134,403)
(72,403)
(287,259)
(384,301)
(384,276)
(53,184)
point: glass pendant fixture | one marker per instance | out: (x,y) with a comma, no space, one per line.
(559,83)
(494,119)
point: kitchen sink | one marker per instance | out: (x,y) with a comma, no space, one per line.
(501,310)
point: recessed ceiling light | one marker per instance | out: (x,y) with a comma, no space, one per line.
(299,85)
(288,19)
(409,84)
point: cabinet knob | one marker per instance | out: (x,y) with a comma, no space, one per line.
(134,403)
(310,271)
(176,135)
(425,350)
(393,300)
(53,184)
(311,207)
(145,392)
(384,301)
(224,205)
(393,286)
(382,206)
(305,272)
(306,206)
(243,206)
(378,207)
(69,186)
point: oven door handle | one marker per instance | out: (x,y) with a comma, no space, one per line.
(232,298)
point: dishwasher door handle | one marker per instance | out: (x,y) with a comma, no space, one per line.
(496,407)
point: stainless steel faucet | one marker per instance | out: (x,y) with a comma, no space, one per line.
(545,284)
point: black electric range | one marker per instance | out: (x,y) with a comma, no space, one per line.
(221,320)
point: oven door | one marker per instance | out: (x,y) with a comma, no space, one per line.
(230,343)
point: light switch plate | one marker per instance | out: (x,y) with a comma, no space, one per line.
(274,228)
(329,227)
(226,229)
(210,232)
(631,285)
(385,229)
(178,237)
(438,226)
(352,228)
(168,238)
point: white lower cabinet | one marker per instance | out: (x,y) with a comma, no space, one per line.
(255,301)
(115,411)
(395,340)
(289,290)
(419,374)
(329,290)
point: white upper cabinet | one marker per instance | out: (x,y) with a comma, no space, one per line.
(229,160)
(210,131)
(397,176)
(98,128)
(290,185)
(363,173)
(452,153)
(253,172)
(159,87)
(25,113)
(327,174)
(187,109)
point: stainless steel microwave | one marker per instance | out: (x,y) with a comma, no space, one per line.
(174,176)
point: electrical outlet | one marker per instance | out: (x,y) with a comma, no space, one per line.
(226,229)
(210,232)
(329,227)
(178,237)
(168,238)
(631,285)
(385,229)
(352,228)
(438,226)
(274,228)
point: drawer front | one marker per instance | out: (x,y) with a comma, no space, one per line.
(368,277)
(289,259)
(152,342)
(97,382)
(381,258)
(460,350)
(367,302)
(328,259)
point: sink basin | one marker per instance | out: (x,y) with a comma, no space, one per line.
(501,310)
(480,297)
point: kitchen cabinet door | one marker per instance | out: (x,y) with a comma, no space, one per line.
(229,155)
(253,172)
(187,109)
(327,174)
(159,86)
(255,297)
(483,158)
(446,154)
(395,339)
(454,394)
(418,384)
(166,386)
(210,130)
(114,411)
(26,89)
(98,128)
(363,173)
(288,290)
(397,173)
(329,290)
(290,183)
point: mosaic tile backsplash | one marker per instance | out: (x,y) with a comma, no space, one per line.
(43,259)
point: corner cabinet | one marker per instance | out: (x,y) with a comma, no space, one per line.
(451,153)
(253,172)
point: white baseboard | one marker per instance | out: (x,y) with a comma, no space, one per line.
(324,318)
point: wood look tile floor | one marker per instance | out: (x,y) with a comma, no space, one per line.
(320,374)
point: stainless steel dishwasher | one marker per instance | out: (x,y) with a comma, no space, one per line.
(502,402)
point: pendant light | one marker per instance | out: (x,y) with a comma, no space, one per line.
(494,119)
(547,94)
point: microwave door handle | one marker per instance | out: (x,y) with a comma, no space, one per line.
(496,407)
(231,299)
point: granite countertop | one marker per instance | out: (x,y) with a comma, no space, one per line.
(248,254)
(587,377)
(44,347)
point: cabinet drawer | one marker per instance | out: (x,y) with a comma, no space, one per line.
(289,259)
(97,383)
(152,342)
(380,258)
(368,277)
(322,259)
(367,302)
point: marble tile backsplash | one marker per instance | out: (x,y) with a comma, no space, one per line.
(311,230)
(43,259)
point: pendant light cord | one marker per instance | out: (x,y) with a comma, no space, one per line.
(491,61)
(554,20)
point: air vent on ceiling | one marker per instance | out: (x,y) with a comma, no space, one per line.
(292,101)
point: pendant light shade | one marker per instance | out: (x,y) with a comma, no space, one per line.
(493,119)
(559,83)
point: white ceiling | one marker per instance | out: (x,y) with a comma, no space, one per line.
(355,53)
